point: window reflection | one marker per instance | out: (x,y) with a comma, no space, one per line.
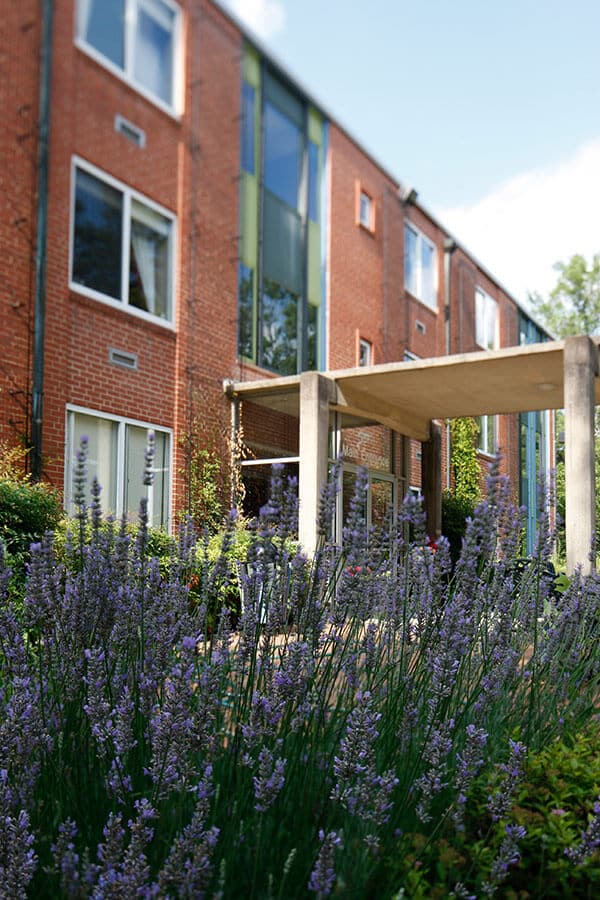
(283,148)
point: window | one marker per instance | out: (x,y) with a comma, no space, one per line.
(122,246)
(420,274)
(365,352)
(137,38)
(366,212)
(116,448)
(486,439)
(280,276)
(486,320)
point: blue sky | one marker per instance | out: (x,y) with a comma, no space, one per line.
(489,108)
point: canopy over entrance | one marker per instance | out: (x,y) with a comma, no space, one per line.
(410,396)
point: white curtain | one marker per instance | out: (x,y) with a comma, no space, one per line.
(144,250)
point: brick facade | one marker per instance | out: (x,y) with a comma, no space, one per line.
(190,166)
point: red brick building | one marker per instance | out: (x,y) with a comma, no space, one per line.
(178,212)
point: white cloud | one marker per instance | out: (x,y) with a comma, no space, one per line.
(520,229)
(265,17)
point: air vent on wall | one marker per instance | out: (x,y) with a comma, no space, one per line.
(130,131)
(123,358)
(420,327)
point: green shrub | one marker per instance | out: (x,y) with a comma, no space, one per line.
(455,512)
(26,512)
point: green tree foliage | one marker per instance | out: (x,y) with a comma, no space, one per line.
(465,467)
(573,305)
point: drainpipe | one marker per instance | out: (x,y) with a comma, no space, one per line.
(449,248)
(37,393)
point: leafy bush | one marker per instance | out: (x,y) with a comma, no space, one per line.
(455,512)
(368,737)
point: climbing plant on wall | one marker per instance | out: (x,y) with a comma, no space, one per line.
(465,467)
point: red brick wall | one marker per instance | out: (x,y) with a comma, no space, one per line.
(19,102)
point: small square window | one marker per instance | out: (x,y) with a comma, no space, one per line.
(365,211)
(122,246)
(365,352)
(138,38)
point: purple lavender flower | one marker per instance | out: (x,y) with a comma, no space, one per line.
(17,856)
(468,764)
(590,839)
(66,860)
(508,855)
(435,754)
(322,878)
(358,786)
(269,781)
(512,771)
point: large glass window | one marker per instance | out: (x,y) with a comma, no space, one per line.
(122,246)
(116,449)
(420,260)
(486,320)
(138,37)
(281,246)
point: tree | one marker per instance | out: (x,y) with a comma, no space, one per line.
(573,305)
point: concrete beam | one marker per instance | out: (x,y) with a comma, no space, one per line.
(580,371)
(316,393)
(431,480)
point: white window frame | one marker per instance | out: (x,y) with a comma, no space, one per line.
(482,438)
(363,343)
(122,422)
(129,194)
(483,305)
(430,303)
(126,73)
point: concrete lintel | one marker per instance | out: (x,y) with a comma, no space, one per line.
(317,392)
(580,371)
(431,479)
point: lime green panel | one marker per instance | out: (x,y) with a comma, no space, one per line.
(314,264)
(315,126)
(249,220)
(251,66)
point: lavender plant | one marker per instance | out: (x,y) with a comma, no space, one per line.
(327,745)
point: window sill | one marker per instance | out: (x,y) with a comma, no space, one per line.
(108,66)
(432,309)
(94,298)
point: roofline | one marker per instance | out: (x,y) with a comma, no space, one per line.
(259,45)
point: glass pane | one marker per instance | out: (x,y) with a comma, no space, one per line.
(162,481)
(480,318)
(313,182)
(428,273)
(101,24)
(491,313)
(153,60)
(348,488)
(97,239)
(149,282)
(257,485)
(102,435)
(282,244)
(365,210)
(282,155)
(382,496)
(279,329)
(312,337)
(134,488)
(410,261)
(248,98)
(245,311)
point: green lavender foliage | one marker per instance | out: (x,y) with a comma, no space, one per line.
(364,730)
